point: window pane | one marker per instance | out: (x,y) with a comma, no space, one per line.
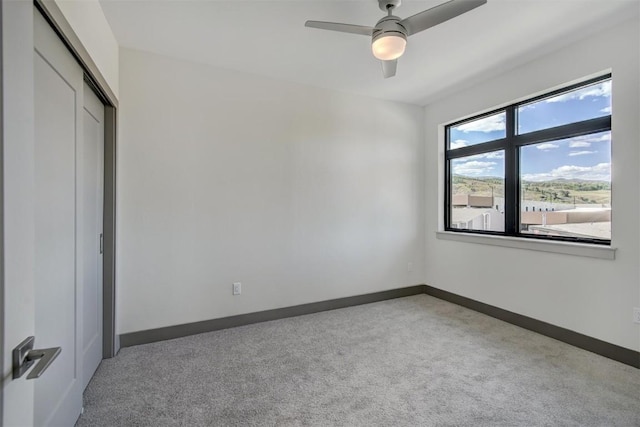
(477,131)
(566,187)
(585,103)
(477,192)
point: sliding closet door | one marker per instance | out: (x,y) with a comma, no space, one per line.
(92,183)
(58,87)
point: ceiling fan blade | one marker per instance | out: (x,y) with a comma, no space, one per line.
(344,28)
(389,68)
(438,14)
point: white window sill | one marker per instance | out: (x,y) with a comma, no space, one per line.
(567,248)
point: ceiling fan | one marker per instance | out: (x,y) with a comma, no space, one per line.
(389,36)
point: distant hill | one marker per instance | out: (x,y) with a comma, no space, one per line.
(556,191)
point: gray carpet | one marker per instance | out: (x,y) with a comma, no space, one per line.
(415,361)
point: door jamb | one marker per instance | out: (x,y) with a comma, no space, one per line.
(1,218)
(96,80)
(110,340)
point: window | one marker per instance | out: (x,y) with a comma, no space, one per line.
(540,168)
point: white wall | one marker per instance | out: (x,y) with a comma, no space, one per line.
(591,296)
(301,194)
(90,25)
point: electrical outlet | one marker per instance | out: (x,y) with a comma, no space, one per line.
(237,288)
(410,266)
(636,315)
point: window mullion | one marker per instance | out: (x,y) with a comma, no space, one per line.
(511,175)
(486,147)
(586,127)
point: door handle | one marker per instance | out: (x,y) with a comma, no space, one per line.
(24,356)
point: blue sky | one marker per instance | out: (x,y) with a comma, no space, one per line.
(586,157)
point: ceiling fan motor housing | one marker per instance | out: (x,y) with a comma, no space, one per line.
(389,25)
(385,5)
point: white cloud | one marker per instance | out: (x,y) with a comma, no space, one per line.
(499,155)
(600,90)
(587,140)
(458,143)
(601,138)
(581,153)
(547,146)
(494,155)
(606,110)
(487,124)
(474,168)
(579,144)
(599,172)
(491,155)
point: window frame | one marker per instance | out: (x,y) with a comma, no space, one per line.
(511,144)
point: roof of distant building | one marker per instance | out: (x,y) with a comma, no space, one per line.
(598,230)
(586,209)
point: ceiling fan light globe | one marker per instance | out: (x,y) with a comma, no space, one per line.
(388,47)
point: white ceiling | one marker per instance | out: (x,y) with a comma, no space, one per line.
(268,38)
